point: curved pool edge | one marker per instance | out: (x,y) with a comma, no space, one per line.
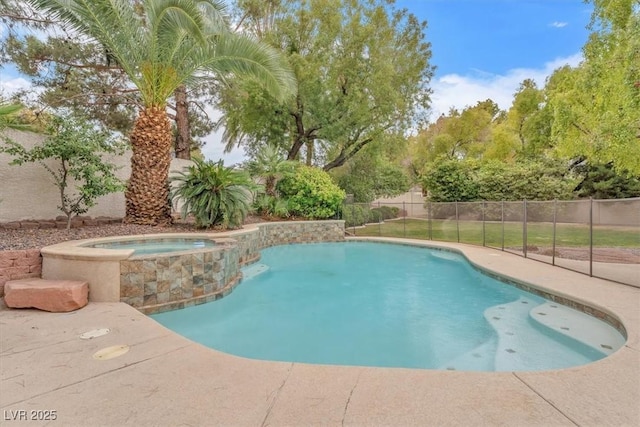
(239,391)
(556,284)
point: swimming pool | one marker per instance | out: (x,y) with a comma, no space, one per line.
(375,304)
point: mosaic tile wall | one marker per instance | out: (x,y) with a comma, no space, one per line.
(279,233)
(161,282)
(166,282)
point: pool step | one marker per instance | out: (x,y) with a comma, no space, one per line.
(579,326)
(481,358)
(526,344)
(253,270)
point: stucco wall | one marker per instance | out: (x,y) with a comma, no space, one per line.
(27,192)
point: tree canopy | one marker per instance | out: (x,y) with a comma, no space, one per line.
(362,70)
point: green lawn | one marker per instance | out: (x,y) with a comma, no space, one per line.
(538,234)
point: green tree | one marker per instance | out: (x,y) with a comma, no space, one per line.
(596,106)
(602,181)
(465,134)
(160,46)
(369,176)
(270,165)
(72,154)
(450,180)
(363,73)
(75,73)
(523,116)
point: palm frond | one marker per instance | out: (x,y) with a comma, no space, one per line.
(245,57)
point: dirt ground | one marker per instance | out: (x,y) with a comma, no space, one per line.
(608,255)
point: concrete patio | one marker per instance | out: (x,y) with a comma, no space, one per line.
(165,379)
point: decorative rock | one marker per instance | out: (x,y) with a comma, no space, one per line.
(14,225)
(32,225)
(49,295)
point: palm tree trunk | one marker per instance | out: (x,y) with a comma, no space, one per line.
(147,195)
(183,127)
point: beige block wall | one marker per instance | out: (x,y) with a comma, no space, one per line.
(27,191)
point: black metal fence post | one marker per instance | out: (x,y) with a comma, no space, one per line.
(555,219)
(429,224)
(457,222)
(502,220)
(380,219)
(484,240)
(591,236)
(524,227)
(404,219)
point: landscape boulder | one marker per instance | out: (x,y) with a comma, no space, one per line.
(49,295)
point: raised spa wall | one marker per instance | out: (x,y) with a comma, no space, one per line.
(169,281)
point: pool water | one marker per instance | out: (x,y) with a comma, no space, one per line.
(155,246)
(374,304)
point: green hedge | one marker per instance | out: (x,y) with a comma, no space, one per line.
(311,193)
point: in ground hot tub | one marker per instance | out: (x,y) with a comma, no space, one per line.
(150,272)
(157,246)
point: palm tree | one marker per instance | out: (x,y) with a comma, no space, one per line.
(162,44)
(270,165)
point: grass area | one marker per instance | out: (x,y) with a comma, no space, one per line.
(538,234)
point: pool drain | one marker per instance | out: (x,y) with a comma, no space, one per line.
(111,352)
(94,333)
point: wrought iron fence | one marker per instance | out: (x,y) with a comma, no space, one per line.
(600,238)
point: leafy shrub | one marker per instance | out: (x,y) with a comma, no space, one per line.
(464,181)
(451,181)
(271,206)
(387,212)
(355,215)
(368,177)
(311,193)
(375,216)
(213,194)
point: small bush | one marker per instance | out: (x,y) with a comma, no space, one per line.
(213,194)
(311,193)
(387,212)
(355,215)
(375,215)
(271,206)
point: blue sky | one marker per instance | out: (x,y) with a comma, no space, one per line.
(485,48)
(481,48)
(496,36)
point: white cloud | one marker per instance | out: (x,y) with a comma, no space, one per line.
(558,24)
(454,90)
(10,85)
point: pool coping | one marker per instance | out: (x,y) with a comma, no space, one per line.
(166,379)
